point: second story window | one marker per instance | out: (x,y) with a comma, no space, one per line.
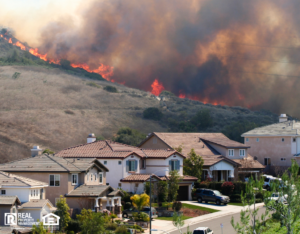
(91,176)
(174,165)
(257,139)
(247,139)
(242,152)
(100,178)
(231,152)
(55,180)
(282,139)
(131,165)
(105,162)
(142,164)
(120,162)
(3,192)
(74,179)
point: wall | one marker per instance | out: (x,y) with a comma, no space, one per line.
(22,193)
(224,151)
(35,214)
(116,171)
(131,187)
(150,144)
(272,147)
(95,181)
(51,192)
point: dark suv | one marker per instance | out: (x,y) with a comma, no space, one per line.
(209,195)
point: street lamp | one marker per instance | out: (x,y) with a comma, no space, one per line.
(150,197)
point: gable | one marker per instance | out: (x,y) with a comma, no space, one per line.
(154,142)
(222,165)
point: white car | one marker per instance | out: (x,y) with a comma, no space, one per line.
(277,197)
(268,181)
(203,230)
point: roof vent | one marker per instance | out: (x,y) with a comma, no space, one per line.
(91,138)
(283,118)
(36,151)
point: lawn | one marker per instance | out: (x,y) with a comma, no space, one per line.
(198,208)
(171,218)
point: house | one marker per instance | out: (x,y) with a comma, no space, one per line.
(81,180)
(223,158)
(130,167)
(22,195)
(275,145)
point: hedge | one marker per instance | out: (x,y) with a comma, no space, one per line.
(238,186)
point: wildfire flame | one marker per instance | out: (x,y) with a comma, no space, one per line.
(22,47)
(157,87)
(104,70)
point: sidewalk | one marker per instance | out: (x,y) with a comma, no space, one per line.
(167,226)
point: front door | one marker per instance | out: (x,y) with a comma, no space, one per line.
(219,176)
(183,193)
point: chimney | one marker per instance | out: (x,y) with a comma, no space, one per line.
(283,118)
(91,138)
(35,151)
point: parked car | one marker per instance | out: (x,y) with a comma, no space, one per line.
(203,230)
(128,212)
(276,197)
(209,195)
(268,182)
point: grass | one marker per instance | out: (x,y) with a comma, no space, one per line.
(235,204)
(171,218)
(198,208)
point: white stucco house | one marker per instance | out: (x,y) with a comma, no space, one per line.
(130,167)
(30,193)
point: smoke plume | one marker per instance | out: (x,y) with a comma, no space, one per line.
(227,52)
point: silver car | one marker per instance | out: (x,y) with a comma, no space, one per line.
(128,213)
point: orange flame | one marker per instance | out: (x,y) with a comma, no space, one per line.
(181,94)
(22,47)
(1,35)
(157,87)
(10,41)
(104,70)
(36,53)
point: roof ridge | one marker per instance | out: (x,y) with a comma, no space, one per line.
(18,177)
(123,144)
(58,162)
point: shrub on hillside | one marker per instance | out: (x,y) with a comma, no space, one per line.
(129,136)
(227,188)
(152,113)
(111,89)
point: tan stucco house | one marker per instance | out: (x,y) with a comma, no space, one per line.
(275,145)
(81,180)
(224,159)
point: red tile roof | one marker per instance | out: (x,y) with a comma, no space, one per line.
(184,178)
(110,149)
(139,178)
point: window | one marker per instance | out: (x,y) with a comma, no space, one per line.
(294,139)
(120,162)
(242,152)
(257,139)
(247,139)
(31,191)
(74,179)
(54,180)
(231,152)
(3,192)
(34,192)
(37,192)
(267,161)
(100,178)
(283,159)
(105,162)
(174,165)
(143,164)
(131,165)
(282,139)
(154,140)
(95,176)
(91,177)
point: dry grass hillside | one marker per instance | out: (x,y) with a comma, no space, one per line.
(55,110)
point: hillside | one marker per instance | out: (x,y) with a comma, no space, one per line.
(46,105)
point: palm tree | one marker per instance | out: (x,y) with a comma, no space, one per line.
(139,201)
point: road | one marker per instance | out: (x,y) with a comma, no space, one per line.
(215,224)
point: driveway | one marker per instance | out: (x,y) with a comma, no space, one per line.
(214,206)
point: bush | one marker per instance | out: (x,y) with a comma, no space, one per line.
(227,188)
(258,200)
(129,136)
(137,227)
(235,198)
(177,205)
(260,196)
(73,226)
(121,230)
(111,89)
(140,216)
(93,84)
(111,226)
(276,216)
(239,187)
(152,113)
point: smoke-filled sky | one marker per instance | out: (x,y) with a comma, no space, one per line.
(228,52)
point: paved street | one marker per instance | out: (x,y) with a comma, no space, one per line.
(215,224)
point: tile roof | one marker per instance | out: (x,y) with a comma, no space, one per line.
(36,203)
(9,200)
(184,178)
(15,229)
(249,163)
(8,179)
(110,149)
(287,128)
(139,178)
(225,142)
(51,163)
(90,191)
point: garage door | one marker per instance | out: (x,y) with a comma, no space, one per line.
(183,193)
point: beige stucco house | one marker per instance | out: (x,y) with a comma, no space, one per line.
(81,180)
(275,145)
(224,159)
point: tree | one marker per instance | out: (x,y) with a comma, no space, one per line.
(91,222)
(152,113)
(192,165)
(39,229)
(65,64)
(173,182)
(129,136)
(249,222)
(179,223)
(139,201)
(236,129)
(288,190)
(202,119)
(162,191)
(48,151)
(111,89)
(63,212)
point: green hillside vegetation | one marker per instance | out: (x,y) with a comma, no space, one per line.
(57,106)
